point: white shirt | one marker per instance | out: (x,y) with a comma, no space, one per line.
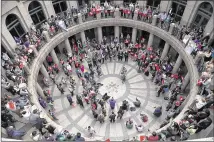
(5,57)
(91,130)
(68,67)
(163,16)
(140,129)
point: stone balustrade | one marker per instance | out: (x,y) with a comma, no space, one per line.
(171,40)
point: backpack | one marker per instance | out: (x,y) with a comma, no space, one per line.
(132,108)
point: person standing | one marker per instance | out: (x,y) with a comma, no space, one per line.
(79,100)
(104,111)
(70,100)
(52,114)
(59,86)
(91,131)
(13,133)
(121,55)
(120,113)
(82,68)
(118,56)
(89,63)
(112,103)
(126,55)
(203,124)
(49,60)
(112,117)
(78,73)
(101,118)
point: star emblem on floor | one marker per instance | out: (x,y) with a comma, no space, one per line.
(112,87)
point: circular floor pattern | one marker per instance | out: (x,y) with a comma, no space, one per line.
(76,119)
(113,86)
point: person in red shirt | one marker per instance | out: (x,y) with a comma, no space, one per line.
(50,69)
(56,68)
(153,137)
(49,60)
(62,61)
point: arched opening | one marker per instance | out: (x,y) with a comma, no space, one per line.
(36,13)
(202,15)
(177,9)
(108,31)
(14,26)
(153,3)
(60,6)
(90,33)
(82,3)
(126,31)
(127,2)
(103,1)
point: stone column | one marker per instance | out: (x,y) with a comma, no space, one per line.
(27,69)
(83,38)
(40,90)
(54,56)
(25,15)
(44,71)
(68,46)
(46,35)
(98,15)
(165,50)
(49,8)
(134,35)
(171,28)
(167,46)
(117,13)
(100,34)
(82,34)
(135,15)
(116,28)
(35,51)
(177,64)
(116,31)
(185,82)
(80,18)
(198,56)
(154,20)
(151,37)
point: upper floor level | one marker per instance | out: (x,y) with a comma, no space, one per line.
(18,16)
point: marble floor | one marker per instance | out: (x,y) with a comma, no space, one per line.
(76,119)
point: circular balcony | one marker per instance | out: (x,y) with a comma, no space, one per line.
(151,28)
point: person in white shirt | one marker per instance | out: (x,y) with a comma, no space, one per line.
(90,130)
(137,5)
(93,5)
(36,136)
(131,7)
(33,27)
(106,5)
(163,16)
(139,128)
(62,25)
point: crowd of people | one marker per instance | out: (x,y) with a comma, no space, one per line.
(119,48)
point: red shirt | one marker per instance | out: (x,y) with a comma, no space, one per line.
(49,58)
(157,67)
(50,69)
(153,138)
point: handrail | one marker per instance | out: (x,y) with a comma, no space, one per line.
(175,43)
